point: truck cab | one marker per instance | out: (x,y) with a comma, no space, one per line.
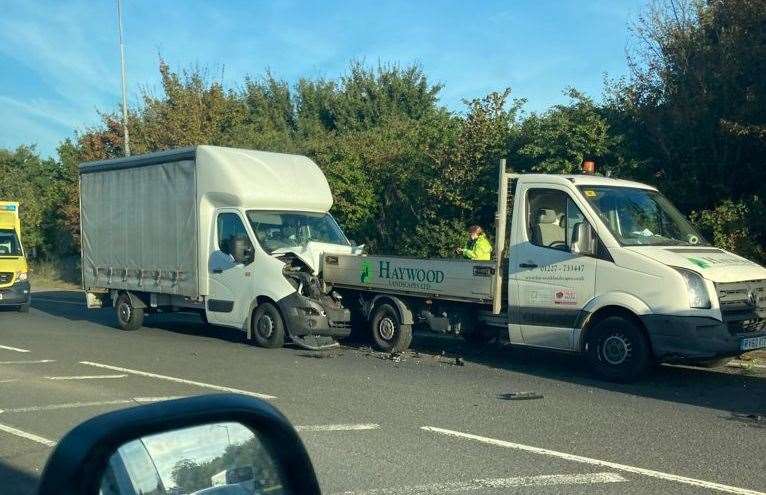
(611,269)
(14,273)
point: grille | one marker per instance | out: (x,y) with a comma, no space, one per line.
(743,305)
(6,277)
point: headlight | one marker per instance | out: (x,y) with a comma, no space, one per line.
(695,288)
(21,276)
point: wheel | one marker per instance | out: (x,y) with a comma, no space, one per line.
(617,350)
(24,308)
(711,363)
(388,333)
(268,326)
(129,317)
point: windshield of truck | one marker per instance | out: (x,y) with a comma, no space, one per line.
(639,217)
(9,243)
(281,229)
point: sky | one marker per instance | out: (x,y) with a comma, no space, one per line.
(59,60)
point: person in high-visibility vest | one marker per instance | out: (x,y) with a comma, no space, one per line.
(478,246)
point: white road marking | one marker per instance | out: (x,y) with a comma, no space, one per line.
(179,380)
(84,377)
(39,361)
(365,426)
(9,348)
(58,301)
(495,483)
(28,436)
(596,462)
(9,380)
(74,405)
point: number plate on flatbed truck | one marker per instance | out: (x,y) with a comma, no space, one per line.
(753,343)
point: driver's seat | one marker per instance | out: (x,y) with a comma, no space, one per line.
(547,230)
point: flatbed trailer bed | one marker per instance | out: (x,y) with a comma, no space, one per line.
(432,278)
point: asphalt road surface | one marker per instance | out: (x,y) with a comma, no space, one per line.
(420,423)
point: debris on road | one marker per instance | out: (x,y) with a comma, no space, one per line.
(520,396)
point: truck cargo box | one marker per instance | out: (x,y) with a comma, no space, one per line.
(455,279)
(146,221)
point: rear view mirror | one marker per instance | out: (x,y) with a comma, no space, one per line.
(223,444)
(583,239)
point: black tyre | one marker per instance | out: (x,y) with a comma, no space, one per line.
(129,317)
(268,327)
(617,350)
(388,332)
(24,308)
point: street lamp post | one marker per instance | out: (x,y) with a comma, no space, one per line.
(126,137)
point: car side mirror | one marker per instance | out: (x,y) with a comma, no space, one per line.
(242,250)
(583,240)
(243,444)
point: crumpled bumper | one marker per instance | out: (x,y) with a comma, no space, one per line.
(16,294)
(304,316)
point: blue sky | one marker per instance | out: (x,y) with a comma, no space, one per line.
(59,61)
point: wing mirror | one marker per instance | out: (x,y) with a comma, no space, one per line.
(242,250)
(583,240)
(225,444)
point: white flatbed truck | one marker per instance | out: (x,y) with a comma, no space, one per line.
(598,266)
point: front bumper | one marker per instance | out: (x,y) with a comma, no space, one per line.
(684,338)
(15,295)
(304,316)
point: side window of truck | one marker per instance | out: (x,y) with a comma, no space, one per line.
(552,218)
(230,227)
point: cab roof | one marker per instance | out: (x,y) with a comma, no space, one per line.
(583,180)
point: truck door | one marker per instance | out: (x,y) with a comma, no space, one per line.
(229,266)
(552,284)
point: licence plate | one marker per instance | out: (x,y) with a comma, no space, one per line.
(753,343)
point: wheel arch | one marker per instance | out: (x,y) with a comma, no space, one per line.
(605,312)
(405,314)
(248,324)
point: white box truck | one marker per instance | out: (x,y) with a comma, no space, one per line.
(236,235)
(603,267)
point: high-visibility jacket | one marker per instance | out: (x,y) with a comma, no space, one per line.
(479,250)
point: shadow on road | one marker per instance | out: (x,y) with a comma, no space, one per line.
(17,481)
(734,394)
(71,305)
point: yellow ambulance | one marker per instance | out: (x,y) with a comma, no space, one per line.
(14,279)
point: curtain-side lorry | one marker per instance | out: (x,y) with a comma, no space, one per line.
(14,279)
(598,266)
(235,235)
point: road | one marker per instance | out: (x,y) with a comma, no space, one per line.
(421,423)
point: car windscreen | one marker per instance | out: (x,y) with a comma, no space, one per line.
(9,243)
(282,229)
(640,217)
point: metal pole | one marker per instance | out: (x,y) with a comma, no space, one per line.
(501,218)
(126,137)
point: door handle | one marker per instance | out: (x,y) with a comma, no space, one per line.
(527,265)
(218,270)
